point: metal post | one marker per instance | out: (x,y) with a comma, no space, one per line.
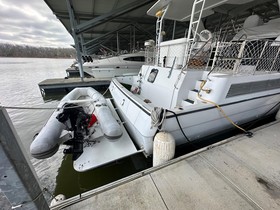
(174,28)
(18,180)
(75,37)
(118,43)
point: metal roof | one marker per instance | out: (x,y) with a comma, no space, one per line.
(125,25)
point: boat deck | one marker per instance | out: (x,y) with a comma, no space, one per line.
(67,84)
(238,173)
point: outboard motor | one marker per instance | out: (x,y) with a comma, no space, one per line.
(79,121)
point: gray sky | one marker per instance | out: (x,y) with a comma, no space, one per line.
(31,22)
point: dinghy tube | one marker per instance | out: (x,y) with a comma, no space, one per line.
(48,140)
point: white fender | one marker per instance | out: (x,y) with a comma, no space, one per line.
(164,148)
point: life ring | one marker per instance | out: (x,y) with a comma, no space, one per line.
(205,35)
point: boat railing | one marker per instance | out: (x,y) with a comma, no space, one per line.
(247,57)
(242,57)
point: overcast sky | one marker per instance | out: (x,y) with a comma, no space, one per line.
(31,22)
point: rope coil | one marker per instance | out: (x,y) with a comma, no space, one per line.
(157,117)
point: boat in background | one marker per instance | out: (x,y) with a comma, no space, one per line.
(124,64)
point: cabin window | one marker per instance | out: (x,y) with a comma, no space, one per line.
(135,58)
(253,87)
(152,75)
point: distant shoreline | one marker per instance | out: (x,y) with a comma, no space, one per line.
(41,57)
(25,51)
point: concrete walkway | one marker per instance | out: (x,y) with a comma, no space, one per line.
(239,173)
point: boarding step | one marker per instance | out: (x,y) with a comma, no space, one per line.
(187,102)
(193,94)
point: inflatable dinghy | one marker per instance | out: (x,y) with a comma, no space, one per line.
(75,116)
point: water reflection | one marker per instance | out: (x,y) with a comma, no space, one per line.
(70,182)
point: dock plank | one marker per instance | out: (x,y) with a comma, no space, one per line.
(58,84)
(192,184)
(140,194)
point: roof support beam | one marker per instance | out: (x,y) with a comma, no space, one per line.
(75,37)
(106,17)
(104,35)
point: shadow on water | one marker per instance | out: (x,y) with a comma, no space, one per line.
(71,182)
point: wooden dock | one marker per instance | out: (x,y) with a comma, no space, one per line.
(237,173)
(67,84)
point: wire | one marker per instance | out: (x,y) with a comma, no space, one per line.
(38,108)
(105,91)
(179,124)
(33,200)
(248,133)
(257,120)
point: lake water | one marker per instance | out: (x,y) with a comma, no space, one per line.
(19,87)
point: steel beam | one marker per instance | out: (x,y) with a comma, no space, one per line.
(104,35)
(111,15)
(75,37)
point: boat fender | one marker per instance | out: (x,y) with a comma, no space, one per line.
(110,127)
(164,148)
(277,116)
(57,199)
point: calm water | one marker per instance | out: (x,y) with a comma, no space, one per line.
(19,87)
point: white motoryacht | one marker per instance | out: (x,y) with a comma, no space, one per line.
(124,64)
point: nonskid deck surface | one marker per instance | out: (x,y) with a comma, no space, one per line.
(104,151)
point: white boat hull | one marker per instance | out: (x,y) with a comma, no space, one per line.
(125,64)
(196,123)
(112,72)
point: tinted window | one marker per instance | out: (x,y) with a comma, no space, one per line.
(153,75)
(135,58)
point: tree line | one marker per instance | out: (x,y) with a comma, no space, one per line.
(14,50)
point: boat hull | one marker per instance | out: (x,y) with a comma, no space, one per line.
(196,123)
(112,72)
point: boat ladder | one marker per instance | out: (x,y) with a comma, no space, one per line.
(196,14)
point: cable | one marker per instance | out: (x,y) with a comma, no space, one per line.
(38,108)
(257,120)
(33,200)
(105,91)
(179,125)
(248,133)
